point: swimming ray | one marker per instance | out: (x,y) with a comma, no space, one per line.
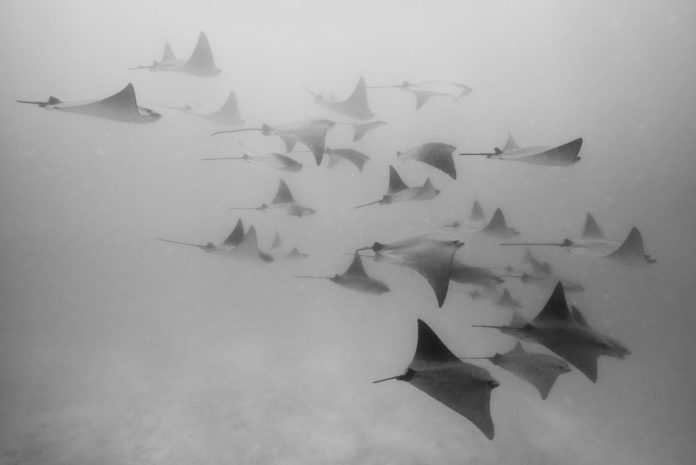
(425,90)
(398,191)
(539,370)
(355,105)
(355,278)
(122,106)
(311,133)
(543,274)
(463,387)
(431,257)
(353,156)
(562,155)
(434,154)
(477,213)
(236,236)
(200,63)
(295,254)
(248,248)
(283,203)
(478,276)
(630,252)
(558,330)
(273,160)
(498,227)
(227,114)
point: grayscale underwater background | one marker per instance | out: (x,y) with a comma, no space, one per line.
(119,349)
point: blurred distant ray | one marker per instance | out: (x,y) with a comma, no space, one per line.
(200,63)
(630,252)
(479,276)
(355,106)
(357,158)
(399,191)
(566,334)
(283,204)
(227,114)
(272,160)
(310,132)
(562,155)
(425,90)
(238,244)
(463,387)
(122,106)
(498,227)
(542,274)
(436,154)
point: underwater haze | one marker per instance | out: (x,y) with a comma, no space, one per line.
(116,348)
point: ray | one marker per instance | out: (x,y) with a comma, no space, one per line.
(507,301)
(398,191)
(295,253)
(272,160)
(462,387)
(434,154)
(311,132)
(360,129)
(562,155)
(227,114)
(355,278)
(248,248)
(631,251)
(122,106)
(283,204)
(498,227)
(355,106)
(558,330)
(432,258)
(477,213)
(200,63)
(353,156)
(539,370)
(464,274)
(425,90)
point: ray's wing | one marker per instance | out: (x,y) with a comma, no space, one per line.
(581,358)
(438,155)
(356,105)
(167,55)
(236,236)
(356,268)
(591,230)
(563,155)
(359,130)
(121,106)
(555,313)
(249,247)
(357,158)
(510,144)
(497,222)
(283,194)
(229,112)
(396,184)
(421,97)
(632,250)
(201,62)
(477,212)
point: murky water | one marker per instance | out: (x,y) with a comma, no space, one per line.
(117,348)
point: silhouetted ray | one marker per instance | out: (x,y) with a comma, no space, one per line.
(398,191)
(278,249)
(556,329)
(295,254)
(273,160)
(122,106)
(311,133)
(591,230)
(542,274)
(360,129)
(200,63)
(463,387)
(357,158)
(630,252)
(498,227)
(425,90)
(355,106)
(355,278)
(283,203)
(478,276)
(434,154)
(227,114)
(562,155)
(539,370)
(236,244)
(432,258)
